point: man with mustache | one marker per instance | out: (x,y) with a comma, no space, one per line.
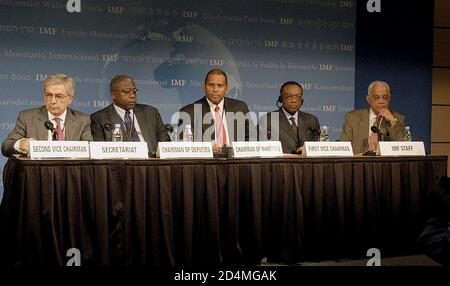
(358,123)
(69,124)
(138,122)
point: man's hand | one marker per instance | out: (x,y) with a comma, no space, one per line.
(24,145)
(300,149)
(387,114)
(217,148)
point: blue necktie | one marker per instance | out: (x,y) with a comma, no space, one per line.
(129,125)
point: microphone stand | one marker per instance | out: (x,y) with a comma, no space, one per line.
(380,135)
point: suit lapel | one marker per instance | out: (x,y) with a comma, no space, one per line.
(363,129)
(364,124)
(230,106)
(144,124)
(285,126)
(41,131)
(301,126)
(69,125)
(206,109)
(114,118)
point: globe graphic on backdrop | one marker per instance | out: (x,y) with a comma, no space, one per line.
(188,52)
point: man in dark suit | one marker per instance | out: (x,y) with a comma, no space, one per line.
(358,123)
(31,124)
(217,118)
(288,124)
(138,122)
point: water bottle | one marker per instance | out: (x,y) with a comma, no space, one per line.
(117,133)
(407,136)
(323,134)
(188,136)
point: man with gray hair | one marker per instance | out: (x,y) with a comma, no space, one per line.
(358,123)
(37,123)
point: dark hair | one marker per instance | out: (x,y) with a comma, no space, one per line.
(216,71)
(118,78)
(290,83)
(280,98)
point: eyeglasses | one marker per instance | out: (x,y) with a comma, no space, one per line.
(386,97)
(293,97)
(127,90)
(57,96)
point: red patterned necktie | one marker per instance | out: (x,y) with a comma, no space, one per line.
(220,130)
(374,137)
(59,131)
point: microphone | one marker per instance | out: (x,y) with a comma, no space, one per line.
(49,126)
(168,127)
(377,131)
(315,130)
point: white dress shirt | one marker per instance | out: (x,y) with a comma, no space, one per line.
(212,108)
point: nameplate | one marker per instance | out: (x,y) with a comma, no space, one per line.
(246,149)
(172,150)
(119,150)
(328,149)
(270,149)
(59,149)
(401,148)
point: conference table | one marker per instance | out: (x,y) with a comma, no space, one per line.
(210,212)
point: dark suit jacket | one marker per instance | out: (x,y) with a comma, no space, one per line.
(240,128)
(356,129)
(30,124)
(148,117)
(308,130)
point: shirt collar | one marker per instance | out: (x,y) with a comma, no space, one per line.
(62,116)
(212,106)
(372,115)
(288,115)
(122,111)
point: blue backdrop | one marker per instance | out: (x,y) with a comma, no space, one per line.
(168,46)
(396,46)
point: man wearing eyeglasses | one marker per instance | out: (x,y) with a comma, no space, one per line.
(66,123)
(288,124)
(358,123)
(138,122)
